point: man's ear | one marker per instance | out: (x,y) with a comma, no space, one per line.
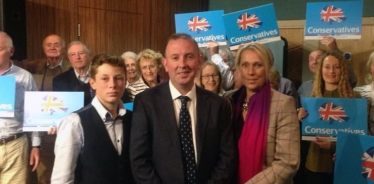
(12,51)
(92,83)
(164,63)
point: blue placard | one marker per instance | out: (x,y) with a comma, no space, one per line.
(129,106)
(45,109)
(342,20)
(354,162)
(202,26)
(7,96)
(328,116)
(257,24)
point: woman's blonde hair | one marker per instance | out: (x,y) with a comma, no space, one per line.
(262,51)
(369,76)
(210,63)
(344,88)
(149,54)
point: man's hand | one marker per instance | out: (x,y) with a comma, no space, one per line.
(301,113)
(52,131)
(323,143)
(34,158)
(213,47)
(330,43)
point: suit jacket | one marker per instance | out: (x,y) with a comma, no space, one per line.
(37,69)
(66,81)
(155,148)
(283,140)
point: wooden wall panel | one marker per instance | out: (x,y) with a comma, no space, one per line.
(44,17)
(113,32)
(106,25)
(129,6)
(295,38)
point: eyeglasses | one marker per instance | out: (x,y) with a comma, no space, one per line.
(149,67)
(72,54)
(214,76)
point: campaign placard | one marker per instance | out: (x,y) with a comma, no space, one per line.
(257,24)
(129,106)
(7,96)
(202,26)
(45,109)
(329,116)
(340,19)
(354,161)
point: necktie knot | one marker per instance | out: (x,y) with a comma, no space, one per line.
(184,100)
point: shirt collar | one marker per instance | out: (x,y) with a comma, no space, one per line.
(175,93)
(8,70)
(103,112)
(87,75)
(53,67)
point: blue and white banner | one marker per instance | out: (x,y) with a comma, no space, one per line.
(354,161)
(202,26)
(341,20)
(257,24)
(328,116)
(45,109)
(7,96)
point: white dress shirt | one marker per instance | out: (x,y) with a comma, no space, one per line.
(12,126)
(191,106)
(83,78)
(70,141)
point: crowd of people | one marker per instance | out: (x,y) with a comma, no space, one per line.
(219,117)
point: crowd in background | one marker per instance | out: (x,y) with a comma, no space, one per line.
(250,106)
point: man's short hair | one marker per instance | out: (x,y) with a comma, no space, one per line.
(176,36)
(8,40)
(76,42)
(106,58)
(61,40)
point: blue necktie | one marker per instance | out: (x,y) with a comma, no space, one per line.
(188,153)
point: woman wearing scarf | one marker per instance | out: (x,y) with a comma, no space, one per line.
(265,122)
(330,81)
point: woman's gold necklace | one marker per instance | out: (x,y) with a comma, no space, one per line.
(245,106)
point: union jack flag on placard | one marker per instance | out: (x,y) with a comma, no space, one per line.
(330,112)
(331,14)
(198,24)
(52,104)
(368,164)
(246,21)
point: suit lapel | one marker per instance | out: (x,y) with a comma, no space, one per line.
(73,80)
(202,113)
(168,114)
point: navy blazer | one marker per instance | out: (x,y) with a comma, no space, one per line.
(66,81)
(155,148)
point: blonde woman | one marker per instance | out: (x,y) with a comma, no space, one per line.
(210,78)
(148,64)
(367,91)
(264,121)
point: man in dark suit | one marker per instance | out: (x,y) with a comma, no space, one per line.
(181,133)
(79,57)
